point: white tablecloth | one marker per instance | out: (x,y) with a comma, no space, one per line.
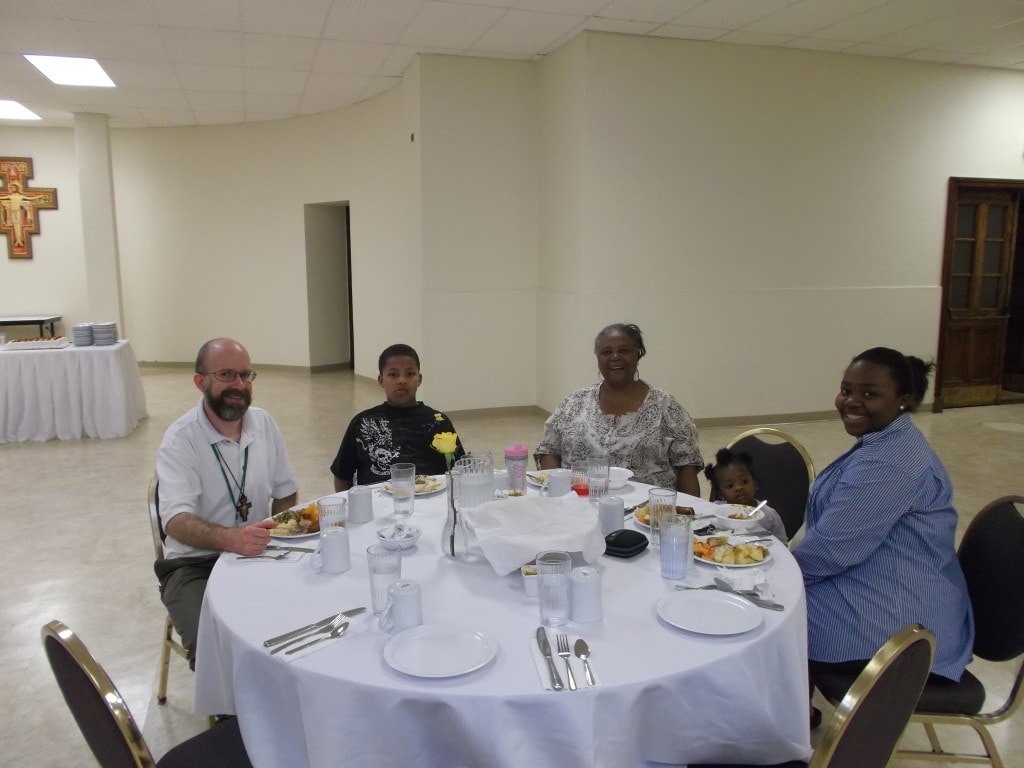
(666,696)
(70,393)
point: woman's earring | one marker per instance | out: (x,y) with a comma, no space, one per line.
(636,375)
(903,407)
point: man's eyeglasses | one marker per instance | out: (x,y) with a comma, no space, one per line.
(229,375)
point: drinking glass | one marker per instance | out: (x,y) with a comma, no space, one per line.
(476,480)
(553,570)
(597,477)
(385,569)
(403,487)
(676,545)
(579,478)
(332,512)
(660,501)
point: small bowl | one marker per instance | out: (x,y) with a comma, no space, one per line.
(617,477)
(410,535)
(723,520)
(529,573)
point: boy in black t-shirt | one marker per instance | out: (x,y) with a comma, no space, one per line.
(400,429)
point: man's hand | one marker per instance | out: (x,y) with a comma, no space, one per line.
(252,539)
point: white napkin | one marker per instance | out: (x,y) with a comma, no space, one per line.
(510,532)
(356,626)
(272,557)
(747,578)
(577,665)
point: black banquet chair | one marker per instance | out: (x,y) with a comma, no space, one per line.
(990,555)
(107,724)
(868,723)
(783,470)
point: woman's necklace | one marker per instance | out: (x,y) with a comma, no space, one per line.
(242,505)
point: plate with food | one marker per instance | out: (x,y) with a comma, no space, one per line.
(642,516)
(729,553)
(425,485)
(537,479)
(300,522)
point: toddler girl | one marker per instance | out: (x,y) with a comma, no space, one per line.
(732,482)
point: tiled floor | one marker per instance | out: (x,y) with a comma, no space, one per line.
(85,555)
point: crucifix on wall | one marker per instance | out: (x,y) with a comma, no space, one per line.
(20,205)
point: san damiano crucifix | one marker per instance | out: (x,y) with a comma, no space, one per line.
(20,204)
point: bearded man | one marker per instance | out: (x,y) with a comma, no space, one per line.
(222,470)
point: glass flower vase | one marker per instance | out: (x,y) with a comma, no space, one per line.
(453,538)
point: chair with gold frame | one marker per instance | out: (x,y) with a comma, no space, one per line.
(783,470)
(868,722)
(990,556)
(168,643)
(107,724)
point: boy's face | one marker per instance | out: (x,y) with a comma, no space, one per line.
(400,380)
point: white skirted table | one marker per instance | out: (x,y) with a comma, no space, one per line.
(70,393)
(665,696)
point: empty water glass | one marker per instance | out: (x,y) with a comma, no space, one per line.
(660,501)
(403,487)
(553,570)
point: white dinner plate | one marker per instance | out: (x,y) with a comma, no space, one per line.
(536,479)
(767,556)
(709,613)
(439,650)
(438,484)
(295,537)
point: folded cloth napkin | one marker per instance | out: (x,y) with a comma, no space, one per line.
(356,626)
(510,532)
(747,578)
(577,665)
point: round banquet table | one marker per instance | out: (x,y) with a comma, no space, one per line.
(665,696)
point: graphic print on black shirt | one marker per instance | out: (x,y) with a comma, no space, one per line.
(377,445)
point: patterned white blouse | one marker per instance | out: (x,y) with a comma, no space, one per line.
(653,441)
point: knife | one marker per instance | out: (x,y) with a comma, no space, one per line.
(311,627)
(290,549)
(545,649)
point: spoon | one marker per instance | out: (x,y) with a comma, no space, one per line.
(755,510)
(336,632)
(335,624)
(583,651)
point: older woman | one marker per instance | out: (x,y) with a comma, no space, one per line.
(638,426)
(879,553)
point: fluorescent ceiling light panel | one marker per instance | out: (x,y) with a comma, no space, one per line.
(12,110)
(67,70)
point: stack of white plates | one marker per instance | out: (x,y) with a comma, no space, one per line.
(81,334)
(104,334)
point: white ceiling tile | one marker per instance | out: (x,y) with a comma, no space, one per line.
(270,105)
(622,26)
(658,11)
(101,40)
(347,56)
(372,21)
(379,85)
(882,20)
(43,36)
(731,14)
(306,17)
(201,101)
(157,98)
(571,7)
(312,105)
(120,11)
(333,84)
(218,116)
(205,77)
(818,44)
(142,74)
(284,51)
(806,16)
(525,32)
(203,46)
(446,25)
(990,41)
(209,14)
(742,37)
(165,118)
(398,60)
(275,81)
(941,57)
(871,49)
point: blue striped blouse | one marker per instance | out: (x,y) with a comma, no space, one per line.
(879,552)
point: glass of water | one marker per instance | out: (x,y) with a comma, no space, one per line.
(553,569)
(403,487)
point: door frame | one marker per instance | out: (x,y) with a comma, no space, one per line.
(957,185)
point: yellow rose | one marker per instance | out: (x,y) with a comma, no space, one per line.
(444,442)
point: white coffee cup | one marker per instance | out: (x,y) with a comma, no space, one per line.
(559,482)
(334,555)
(360,504)
(404,609)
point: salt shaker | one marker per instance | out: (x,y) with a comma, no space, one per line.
(610,513)
(585,600)
(515,463)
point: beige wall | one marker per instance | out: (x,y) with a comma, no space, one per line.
(762,214)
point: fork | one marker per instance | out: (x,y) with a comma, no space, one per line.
(565,653)
(279,556)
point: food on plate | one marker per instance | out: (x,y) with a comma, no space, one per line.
(297,521)
(642,514)
(717,549)
(424,484)
(538,478)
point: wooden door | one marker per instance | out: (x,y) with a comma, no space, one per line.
(981,239)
